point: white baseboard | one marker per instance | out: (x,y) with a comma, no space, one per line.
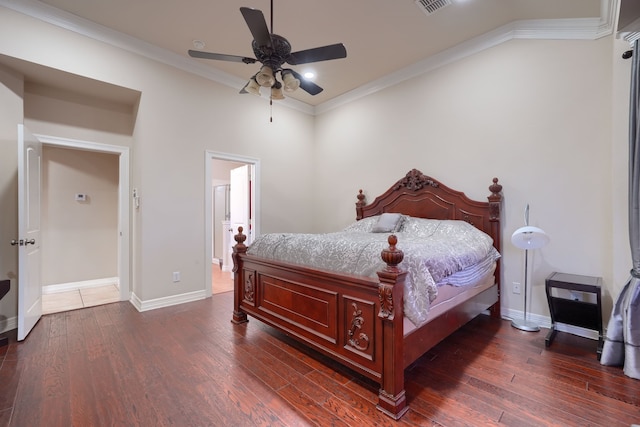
(12,322)
(72,286)
(166,301)
(545,322)
(8,324)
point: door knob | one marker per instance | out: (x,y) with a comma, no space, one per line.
(17,242)
(30,242)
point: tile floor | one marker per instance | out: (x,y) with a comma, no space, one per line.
(64,301)
(71,300)
(222,281)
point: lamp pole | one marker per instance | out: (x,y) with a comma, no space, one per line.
(525,325)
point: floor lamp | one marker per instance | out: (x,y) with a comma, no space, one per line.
(527,237)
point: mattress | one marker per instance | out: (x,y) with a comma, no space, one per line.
(450,296)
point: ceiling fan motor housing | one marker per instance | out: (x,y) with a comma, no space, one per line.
(275,55)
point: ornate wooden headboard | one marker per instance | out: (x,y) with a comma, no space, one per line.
(421,196)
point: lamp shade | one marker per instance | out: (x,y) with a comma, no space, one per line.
(252,87)
(529,237)
(276,91)
(290,81)
(265,77)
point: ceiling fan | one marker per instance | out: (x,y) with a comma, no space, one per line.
(273,51)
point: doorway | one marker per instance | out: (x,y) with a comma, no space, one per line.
(104,191)
(232,199)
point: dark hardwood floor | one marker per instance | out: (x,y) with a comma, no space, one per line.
(188,365)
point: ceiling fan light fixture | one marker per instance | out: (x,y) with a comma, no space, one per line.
(276,91)
(265,77)
(252,87)
(290,82)
(272,51)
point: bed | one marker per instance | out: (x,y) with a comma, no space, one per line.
(359,320)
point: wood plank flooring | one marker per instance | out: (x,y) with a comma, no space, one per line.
(188,365)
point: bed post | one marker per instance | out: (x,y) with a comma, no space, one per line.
(391,398)
(359,205)
(495,208)
(239,316)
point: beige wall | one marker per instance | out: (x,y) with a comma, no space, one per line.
(179,117)
(536,114)
(79,238)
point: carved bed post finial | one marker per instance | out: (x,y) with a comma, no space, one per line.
(240,238)
(495,200)
(239,316)
(359,205)
(392,255)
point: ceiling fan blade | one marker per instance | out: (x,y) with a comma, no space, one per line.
(221,57)
(257,25)
(308,86)
(324,53)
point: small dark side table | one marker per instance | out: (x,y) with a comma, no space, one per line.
(585,314)
(5,285)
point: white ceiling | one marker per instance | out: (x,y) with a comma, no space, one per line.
(382,37)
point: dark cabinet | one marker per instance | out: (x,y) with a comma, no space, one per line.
(586,314)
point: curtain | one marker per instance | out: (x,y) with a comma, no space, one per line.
(622,342)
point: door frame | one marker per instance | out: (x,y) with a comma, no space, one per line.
(124,262)
(208,206)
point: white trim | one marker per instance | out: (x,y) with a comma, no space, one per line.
(124,262)
(87,28)
(9,324)
(84,284)
(208,208)
(545,322)
(167,301)
(550,29)
(562,29)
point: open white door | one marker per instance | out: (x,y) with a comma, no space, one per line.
(29,283)
(239,202)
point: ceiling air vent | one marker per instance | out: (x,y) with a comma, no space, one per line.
(432,6)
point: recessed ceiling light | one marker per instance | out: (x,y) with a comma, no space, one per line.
(198,44)
(309,75)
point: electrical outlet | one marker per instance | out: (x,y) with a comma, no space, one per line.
(176,276)
(516,288)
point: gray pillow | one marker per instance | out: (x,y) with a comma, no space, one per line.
(388,223)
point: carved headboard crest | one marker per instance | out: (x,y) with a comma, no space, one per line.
(415,180)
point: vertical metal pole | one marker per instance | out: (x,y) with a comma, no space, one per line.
(526,273)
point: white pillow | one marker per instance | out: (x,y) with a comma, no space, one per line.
(365,225)
(388,223)
(420,227)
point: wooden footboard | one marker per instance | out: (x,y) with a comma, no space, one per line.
(353,319)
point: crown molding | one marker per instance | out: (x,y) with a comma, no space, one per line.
(76,24)
(547,29)
(550,29)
